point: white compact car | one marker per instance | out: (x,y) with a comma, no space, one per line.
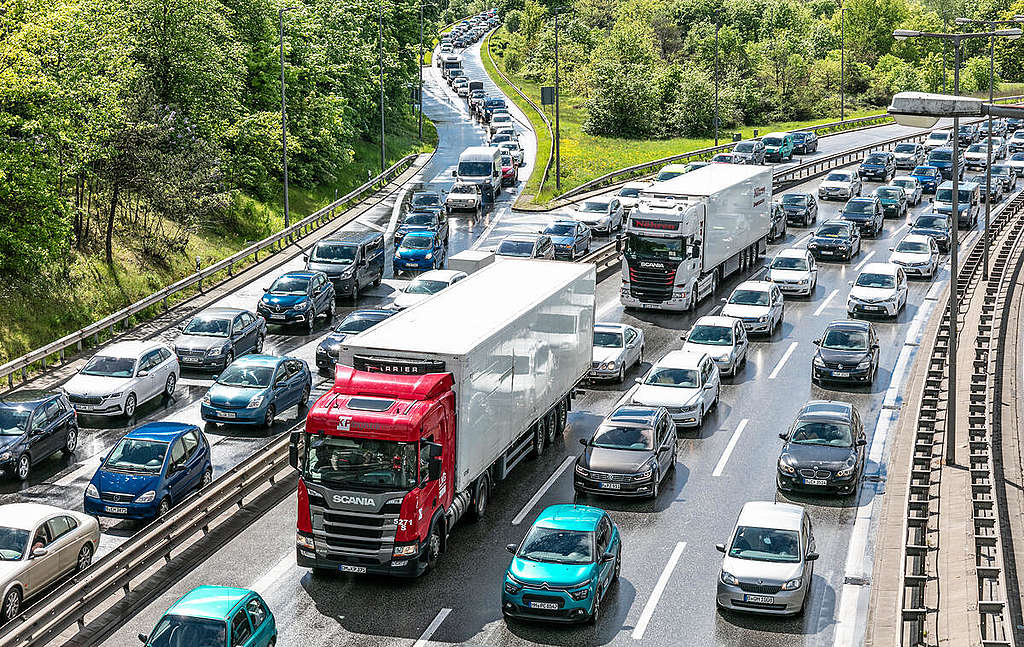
(685,383)
(629,194)
(758,304)
(515,149)
(464,196)
(425,286)
(911,187)
(881,289)
(617,348)
(917,254)
(40,544)
(122,376)
(724,339)
(840,185)
(794,271)
(602,214)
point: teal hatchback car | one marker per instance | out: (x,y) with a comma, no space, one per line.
(215,616)
(564,567)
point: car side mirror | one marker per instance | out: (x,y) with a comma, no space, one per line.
(638,381)
(583,441)
(817,342)
(181,327)
(724,300)
(683,336)
(607,557)
(143,373)
(293,448)
(455,174)
(305,256)
(782,435)
(810,557)
(266,289)
(862,441)
(511,548)
(39,552)
(720,548)
(143,638)
(892,249)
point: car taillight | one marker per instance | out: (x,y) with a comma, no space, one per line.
(305,522)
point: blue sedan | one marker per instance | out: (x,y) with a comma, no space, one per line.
(571,238)
(928,176)
(419,251)
(255,388)
(151,468)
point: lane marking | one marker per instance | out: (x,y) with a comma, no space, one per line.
(864,261)
(824,304)
(899,231)
(728,448)
(431,628)
(608,307)
(659,588)
(803,240)
(371,225)
(262,585)
(782,362)
(569,460)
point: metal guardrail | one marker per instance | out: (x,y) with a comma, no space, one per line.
(271,244)
(116,571)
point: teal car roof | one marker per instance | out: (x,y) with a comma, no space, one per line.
(570,517)
(215,602)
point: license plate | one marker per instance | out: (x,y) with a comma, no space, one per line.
(815,482)
(352,569)
(825,253)
(85,407)
(759,599)
(115,509)
(277,316)
(840,374)
(190,360)
(874,308)
(611,486)
(548,606)
(226,414)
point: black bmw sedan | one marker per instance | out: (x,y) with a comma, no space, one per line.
(824,449)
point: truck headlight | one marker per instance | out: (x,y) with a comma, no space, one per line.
(92,492)
(793,584)
(406,550)
(255,402)
(304,541)
(146,497)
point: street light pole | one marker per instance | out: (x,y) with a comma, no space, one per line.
(419,92)
(284,118)
(558,134)
(718,25)
(842,61)
(380,49)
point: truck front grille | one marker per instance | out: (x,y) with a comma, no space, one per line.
(653,286)
(354,533)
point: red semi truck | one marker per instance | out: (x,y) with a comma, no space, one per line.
(432,407)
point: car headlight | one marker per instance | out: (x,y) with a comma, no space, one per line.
(793,584)
(429,255)
(407,550)
(785,467)
(213,352)
(724,357)
(848,467)
(803,281)
(91,491)
(146,497)
(302,306)
(729,578)
(582,593)
(207,399)
(512,585)
(256,401)
(864,363)
(113,395)
(610,366)
(646,471)
(763,318)
(582,471)
(819,362)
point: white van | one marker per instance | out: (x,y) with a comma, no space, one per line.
(481,165)
(938,139)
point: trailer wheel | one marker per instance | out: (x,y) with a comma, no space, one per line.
(550,421)
(538,440)
(561,415)
(481,496)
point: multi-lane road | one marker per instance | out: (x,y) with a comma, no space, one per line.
(666,594)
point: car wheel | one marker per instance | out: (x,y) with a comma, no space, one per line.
(640,358)
(129,405)
(311,322)
(71,442)
(24,467)
(595,613)
(268,418)
(207,478)
(12,604)
(377,280)
(230,357)
(621,377)
(304,398)
(572,253)
(169,386)
(84,558)
(329,314)
(163,508)
(656,487)
(259,345)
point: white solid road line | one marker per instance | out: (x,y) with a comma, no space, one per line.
(803,240)
(659,588)
(728,448)
(543,490)
(268,579)
(824,304)
(782,362)
(431,628)
(864,261)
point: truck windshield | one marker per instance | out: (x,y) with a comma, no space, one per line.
(361,463)
(474,169)
(652,247)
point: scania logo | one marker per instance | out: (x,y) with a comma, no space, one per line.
(353,500)
(654,265)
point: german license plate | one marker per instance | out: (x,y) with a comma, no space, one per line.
(815,482)
(190,360)
(277,316)
(825,252)
(840,374)
(226,414)
(874,308)
(548,606)
(759,599)
(115,509)
(611,486)
(344,568)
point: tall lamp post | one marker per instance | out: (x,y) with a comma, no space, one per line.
(284,118)
(419,68)
(842,61)
(718,26)
(991,24)
(558,134)
(380,51)
(956,40)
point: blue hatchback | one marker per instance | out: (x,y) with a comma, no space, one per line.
(564,567)
(207,614)
(420,251)
(151,468)
(928,176)
(255,388)
(571,238)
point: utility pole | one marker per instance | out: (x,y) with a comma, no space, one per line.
(419,93)
(380,49)
(842,61)
(718,25)
(558,134)
(284,118)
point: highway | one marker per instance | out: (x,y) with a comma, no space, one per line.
(729,461)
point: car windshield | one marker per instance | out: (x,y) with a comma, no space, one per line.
(886,192)
(208,327)
(175,630)
(749,297)
(417,242)
(557,546)
(765,545)
(938,137)
(561,229)
(334,253)
(710,335)
(594,207)
(635,438)
(1017,157)
(744,147)
(519,248)
(13,542)
(831,231)
(940,156)
(425,286)
(683,378)
(873,280)
(946,195)
(14,420)
(506,160)
(629,192)
(475,169)
(653,248)
(1000,169)
(789,263)
(137,455)
(772,141)
(722,157)
(906,148)
(606,339)
(821,432)
(356,323)
(838,177)
(906,184)
(875,159)
(361,463)
(838,339)
(294,285)
(856,206)
(924,171)
(938,222)
(464,188)
(797,199)
(978,148)
(106,366)
(252,377)
(912,246)
(668,175)
(427,219)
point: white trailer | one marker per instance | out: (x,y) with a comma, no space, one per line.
(470,260)
(687,234)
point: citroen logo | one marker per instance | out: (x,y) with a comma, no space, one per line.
(544,585)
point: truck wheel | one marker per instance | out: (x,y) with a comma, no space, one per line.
(434,545)
(481,495)
(538,440)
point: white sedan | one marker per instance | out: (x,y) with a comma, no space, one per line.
(758,304)
(122,376)
(724,339)
(840,185)
(602,214)
(425,286)
(685,383)
(794,271)
(910,186)
(617,348)
(917,255)
(881,289)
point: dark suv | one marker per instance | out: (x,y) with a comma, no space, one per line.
(352,260)
(34,425)
(867,213)
(835,239)
(824,449)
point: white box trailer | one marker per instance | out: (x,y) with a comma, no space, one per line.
(517,339)
(470,260)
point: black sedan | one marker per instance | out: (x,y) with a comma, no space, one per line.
(824,450)
(354,323)
(982,182)
(847,352)
(801,208)
(835,239)
(804,142)
(866,213)
(935,225)
(629,455)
